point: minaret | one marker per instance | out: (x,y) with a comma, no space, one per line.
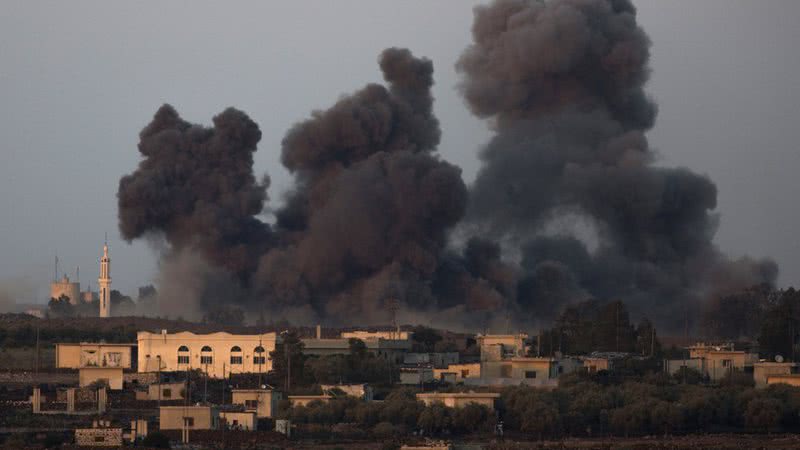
(104,283)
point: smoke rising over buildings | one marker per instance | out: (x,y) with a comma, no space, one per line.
(376,215)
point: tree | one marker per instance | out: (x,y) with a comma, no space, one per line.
(763,413)
(156,440)
(61,307)
(781,326)
(425,338)
(288,360)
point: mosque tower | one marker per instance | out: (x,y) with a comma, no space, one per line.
(104,283)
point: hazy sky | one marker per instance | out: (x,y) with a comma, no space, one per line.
(79,79)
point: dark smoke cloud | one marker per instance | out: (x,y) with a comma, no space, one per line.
(562,83)
(195,185)
(568,204)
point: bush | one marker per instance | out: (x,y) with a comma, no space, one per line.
(156,440)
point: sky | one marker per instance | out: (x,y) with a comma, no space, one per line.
(78,81)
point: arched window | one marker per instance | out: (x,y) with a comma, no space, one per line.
(183,354)
(236,355)
(206,355)
(259,356)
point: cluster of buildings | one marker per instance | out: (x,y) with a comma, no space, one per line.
(503,360)
(718,361)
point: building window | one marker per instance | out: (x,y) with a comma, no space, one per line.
(167,393)
(727,363)
(505,371)
(99,439)
(258,356)
(188,421)
(183,355)
(236,355)
(530,374)
(206,356)
(465,373)
(251,404)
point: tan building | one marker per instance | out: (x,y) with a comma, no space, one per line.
(195,417)
(239,420)
(416,375)
(713,361)
(459,399)
(790,379)
(456,373)
(495,347)
(264,402)
(375,335)
(217,354)
(163,391)
(390,350)
(304,400)
(86,354)
(764,370)
(67,288)
(521,368)
(111,376)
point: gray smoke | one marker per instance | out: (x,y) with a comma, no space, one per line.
(562,85)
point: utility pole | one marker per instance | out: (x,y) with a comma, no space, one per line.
(393,305)
(158,357)
(616,329)
(37,350)
(653,341)
(288,367)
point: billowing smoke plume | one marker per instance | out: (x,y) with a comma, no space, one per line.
(562,84)
(568,203)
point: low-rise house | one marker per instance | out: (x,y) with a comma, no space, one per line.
(763,370)
(388,349)
(790,379)
(190,417)
(361,391)
(456,373)
(716,362)
(88,354)
(163,391)
(263,402)
(459,399)
(369,335)
(496,347)
(239,420)
(110,376)
(305,400)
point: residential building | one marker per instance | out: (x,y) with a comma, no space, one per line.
(456,373)
(495,347)
(263,401)
(437,359)
(163,391)
(391,335)
(88,354)
(388,349)
(459,399)
(190,417)
(216,354)
(100,435)
(764,370)
(713,361)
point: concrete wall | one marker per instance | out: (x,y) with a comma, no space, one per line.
(205,417)
(75,356)
(460,371)
(98,437)
(459,400)
(304,400)
(88,375)
(761,371)
(155,349)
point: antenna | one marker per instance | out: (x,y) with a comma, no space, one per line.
(393,306)
(105,239)
(78,273)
